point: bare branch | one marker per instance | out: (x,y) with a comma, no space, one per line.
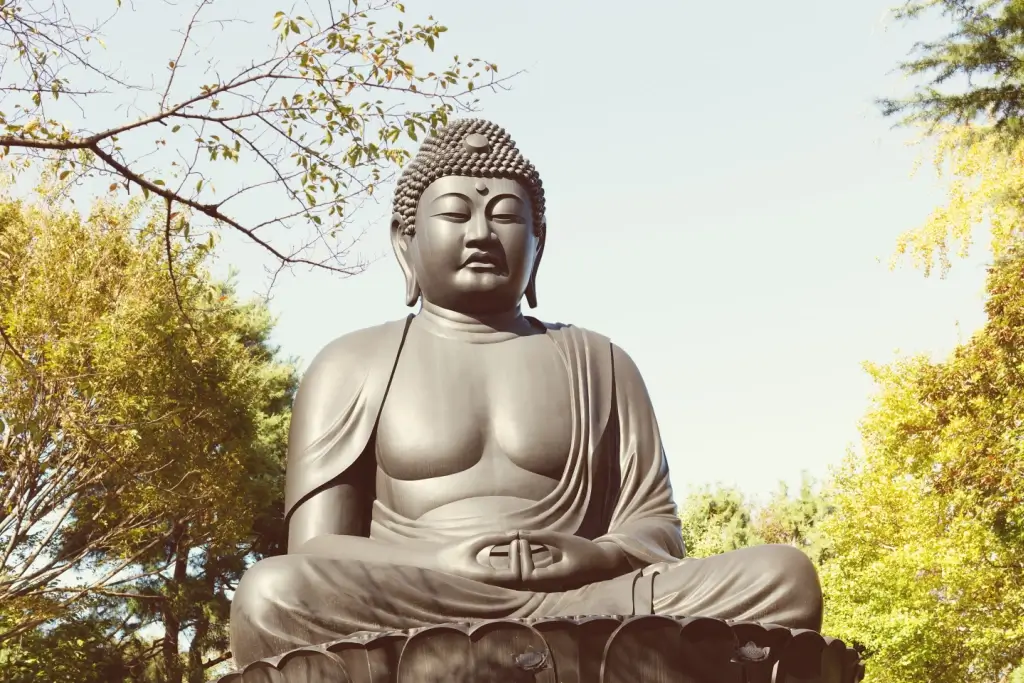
(335,98)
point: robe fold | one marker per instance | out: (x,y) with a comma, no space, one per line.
(614,488)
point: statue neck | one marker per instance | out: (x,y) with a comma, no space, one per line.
(475,329)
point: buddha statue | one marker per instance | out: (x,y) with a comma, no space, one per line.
(470,462)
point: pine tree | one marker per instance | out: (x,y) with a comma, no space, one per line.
(984,52)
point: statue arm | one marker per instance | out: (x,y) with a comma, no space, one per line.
(340,509)
(644,524)
(329,483)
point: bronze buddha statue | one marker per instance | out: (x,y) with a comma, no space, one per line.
(470,462)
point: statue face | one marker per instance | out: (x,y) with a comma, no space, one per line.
(474,247)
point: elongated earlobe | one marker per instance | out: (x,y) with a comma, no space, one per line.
(412,290)
(400,243)
(531,286)
(531,290)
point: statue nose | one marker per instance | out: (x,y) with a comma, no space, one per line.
(478,229)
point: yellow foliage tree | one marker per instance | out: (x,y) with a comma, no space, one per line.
(927,535)
(987,186)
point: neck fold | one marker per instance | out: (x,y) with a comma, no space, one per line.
(476,329)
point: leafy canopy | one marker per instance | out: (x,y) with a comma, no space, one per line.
(928,532)
(133,409)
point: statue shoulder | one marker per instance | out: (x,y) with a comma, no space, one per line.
(629,382)
(343,366)
(625,367)
(352,350)
(624,363)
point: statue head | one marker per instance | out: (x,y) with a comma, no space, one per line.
(468,225)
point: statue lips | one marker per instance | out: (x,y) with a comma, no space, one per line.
(485,261)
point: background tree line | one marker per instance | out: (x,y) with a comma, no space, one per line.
(143,407)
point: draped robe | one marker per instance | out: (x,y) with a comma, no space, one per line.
(614,488)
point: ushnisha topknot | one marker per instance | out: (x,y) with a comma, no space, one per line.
(466,147)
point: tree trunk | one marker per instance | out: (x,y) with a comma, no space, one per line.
(172,624)
(196,670)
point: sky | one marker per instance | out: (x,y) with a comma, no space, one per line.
(723,200)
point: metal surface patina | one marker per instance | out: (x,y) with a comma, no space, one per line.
(464,483)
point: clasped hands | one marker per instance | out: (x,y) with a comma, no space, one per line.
(573,562)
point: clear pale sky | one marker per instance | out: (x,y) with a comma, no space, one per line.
(723,201)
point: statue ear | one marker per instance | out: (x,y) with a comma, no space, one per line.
(400,243)
(531,286)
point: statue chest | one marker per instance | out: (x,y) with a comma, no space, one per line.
(496,411)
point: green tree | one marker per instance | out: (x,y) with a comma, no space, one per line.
(928,531)
(311,124)
(796,520)
(142,429)
(973,74)
(76,649)
(717,520)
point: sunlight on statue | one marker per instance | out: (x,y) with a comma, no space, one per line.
(470,462)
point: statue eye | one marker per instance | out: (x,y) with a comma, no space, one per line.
(453,216)
(507,218)
(508,211)
(451,209)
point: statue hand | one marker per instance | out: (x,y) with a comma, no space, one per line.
(575,561)
(462,558)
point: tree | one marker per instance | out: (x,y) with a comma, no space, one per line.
(986,188)
(984,51)
(717,520)
(796,520)
(310,126)
(971,101)
(928,531)
(143,424)
(76,649)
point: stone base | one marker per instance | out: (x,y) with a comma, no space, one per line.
(594,649)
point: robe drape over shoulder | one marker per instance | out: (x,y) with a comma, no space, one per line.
(615,486)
